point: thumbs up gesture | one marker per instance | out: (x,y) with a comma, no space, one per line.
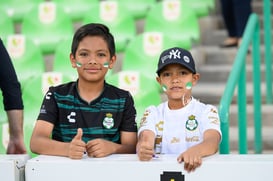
(77,147)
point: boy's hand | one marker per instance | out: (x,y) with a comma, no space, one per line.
(145,150)
(191,158)
(77,147)
(100,148)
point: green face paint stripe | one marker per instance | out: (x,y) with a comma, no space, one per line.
(164,88)
(188,85)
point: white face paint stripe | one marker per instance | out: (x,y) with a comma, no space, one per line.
(78,64)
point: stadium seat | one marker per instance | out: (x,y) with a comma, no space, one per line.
(26,58)
(143,52)
(176,19)
(139,8)
(61,61)
(144,90)
(17,9)
(76,10)
(47,25)
(201,7)
(7,26)
(117,18)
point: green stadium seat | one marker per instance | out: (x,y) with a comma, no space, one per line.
(139,8)
(17,9)
(117,18)
(201,7)
(47,25)
(176,19)
(27,59)
(61,60)
(76,10)
(144,90)
(7,26)
(143,52)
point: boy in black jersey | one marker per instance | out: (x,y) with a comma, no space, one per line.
(88,115)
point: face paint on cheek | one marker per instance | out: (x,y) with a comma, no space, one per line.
(106,65)
(164,88)
(78,64)
(188,85)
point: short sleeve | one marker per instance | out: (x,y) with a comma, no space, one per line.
(49,110)
(148,120)
(212,120)
(129,117)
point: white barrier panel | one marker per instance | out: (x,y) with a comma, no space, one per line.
(164,168)
(12,167)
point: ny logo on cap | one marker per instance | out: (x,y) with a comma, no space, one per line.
(175,54)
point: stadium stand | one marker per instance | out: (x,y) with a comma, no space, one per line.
(117,18)
(175,19)
(47,24)
(27,61)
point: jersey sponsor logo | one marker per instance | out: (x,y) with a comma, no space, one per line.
(192,139)
(175,140)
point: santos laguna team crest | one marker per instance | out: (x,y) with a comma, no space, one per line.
(108,121)
(191,123)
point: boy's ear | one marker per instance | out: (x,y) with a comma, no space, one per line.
(112,62)
(72,60)
(195,78)
(158,79)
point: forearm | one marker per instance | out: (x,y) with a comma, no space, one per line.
(15,119)
(145,145)
(209,145)
(47,146)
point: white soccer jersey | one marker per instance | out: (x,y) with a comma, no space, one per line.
(177,130)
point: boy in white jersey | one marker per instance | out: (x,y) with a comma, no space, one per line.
(182,125)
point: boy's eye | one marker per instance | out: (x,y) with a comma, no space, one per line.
(166,74)
(83,54)
(183,73)
(101,54)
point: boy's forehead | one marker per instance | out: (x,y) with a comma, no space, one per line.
(174,66)
(93,42)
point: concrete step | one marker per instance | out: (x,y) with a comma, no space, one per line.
(208,73)
(266,110)
(214,55)
(267,138)
(211,93)
(217,36)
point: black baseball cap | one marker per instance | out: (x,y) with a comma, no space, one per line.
(176,55)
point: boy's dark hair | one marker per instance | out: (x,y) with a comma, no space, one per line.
(93,29)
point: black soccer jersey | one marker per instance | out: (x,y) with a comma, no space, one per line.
(113,111)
